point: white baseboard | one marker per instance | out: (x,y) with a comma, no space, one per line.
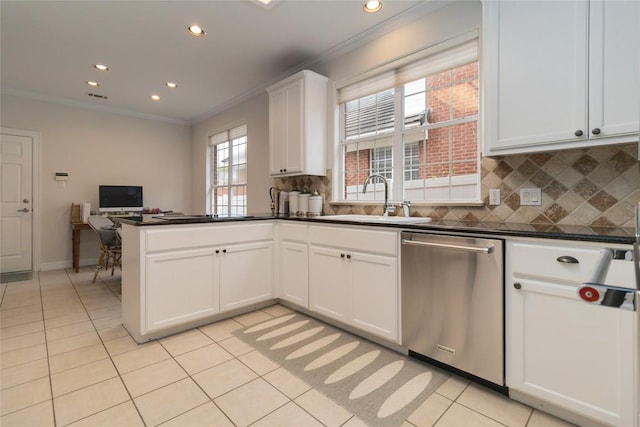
(59,265)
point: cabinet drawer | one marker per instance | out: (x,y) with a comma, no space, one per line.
(180,237)
(294,232)
(359,239)
(537,260)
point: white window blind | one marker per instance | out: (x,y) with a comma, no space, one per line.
(230,135)
(461,54)
(369,115)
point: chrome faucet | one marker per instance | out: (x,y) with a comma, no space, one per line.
(386,207)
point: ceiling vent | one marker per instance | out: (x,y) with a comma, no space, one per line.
(97,95)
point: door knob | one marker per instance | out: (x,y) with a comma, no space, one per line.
(23,210)
(25,200)
(596,131)
(578,133)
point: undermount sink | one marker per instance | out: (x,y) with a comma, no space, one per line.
(376,218)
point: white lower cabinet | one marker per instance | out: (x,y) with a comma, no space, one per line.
(561,350)
(168,275)
(353,280)
(177,276)
(246,274)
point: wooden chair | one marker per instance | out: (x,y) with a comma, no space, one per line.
(110,245)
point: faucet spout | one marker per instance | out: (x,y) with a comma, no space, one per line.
(386,190)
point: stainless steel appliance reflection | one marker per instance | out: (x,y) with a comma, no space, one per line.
(453,304)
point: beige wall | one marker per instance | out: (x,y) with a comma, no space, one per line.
(255,113)
(96,147)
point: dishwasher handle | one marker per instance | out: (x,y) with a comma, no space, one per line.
(486,250)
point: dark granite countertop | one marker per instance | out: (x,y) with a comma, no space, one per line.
(494,229)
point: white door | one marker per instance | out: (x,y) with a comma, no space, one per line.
(16,201)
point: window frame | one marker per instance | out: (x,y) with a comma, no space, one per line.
(367,80)
(229,136)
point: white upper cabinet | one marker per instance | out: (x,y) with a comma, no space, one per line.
(297,125)
(559,74)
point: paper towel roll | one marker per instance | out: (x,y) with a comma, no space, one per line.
(85,210)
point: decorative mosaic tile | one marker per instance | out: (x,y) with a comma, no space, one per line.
(555,212)
(554,189)
(541,178)
(602,201)
(586,164)
(528,168)
(502,170)
(585,188)
(541,158)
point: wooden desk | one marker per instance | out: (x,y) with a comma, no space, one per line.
(76,228)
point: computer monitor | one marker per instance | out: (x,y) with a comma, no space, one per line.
(120,198)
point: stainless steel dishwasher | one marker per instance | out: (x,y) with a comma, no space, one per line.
(453,303)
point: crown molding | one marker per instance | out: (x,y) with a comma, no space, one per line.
(4,90)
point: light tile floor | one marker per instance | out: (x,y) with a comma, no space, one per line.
(67,360)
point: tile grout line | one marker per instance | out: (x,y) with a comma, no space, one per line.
(46,346)
(106,350)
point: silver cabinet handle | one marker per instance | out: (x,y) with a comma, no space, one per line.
(486,250)
(567,259)
(23,210)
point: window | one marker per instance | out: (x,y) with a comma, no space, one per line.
(228,172)
(420,134)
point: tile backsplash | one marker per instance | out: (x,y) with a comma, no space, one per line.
(597,186)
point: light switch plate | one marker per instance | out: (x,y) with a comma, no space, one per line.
(530,197)
(494,196)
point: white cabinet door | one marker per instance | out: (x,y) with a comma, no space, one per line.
(374,304)
(328,282)
(181,286)
(571,353)
(294,273)
(614,85)
(277,131)
(536,59)
(246,274)
(286,129)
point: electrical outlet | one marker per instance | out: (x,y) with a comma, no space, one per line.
(494,196)
(530,197)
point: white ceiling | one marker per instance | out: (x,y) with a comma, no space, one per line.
(47,48)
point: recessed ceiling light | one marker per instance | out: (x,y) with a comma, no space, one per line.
(155,97)
(372,6)
(101,67)
(172,85)
(91,83)
(265,2)
(196,30)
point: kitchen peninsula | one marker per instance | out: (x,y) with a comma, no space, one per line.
(183,271)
